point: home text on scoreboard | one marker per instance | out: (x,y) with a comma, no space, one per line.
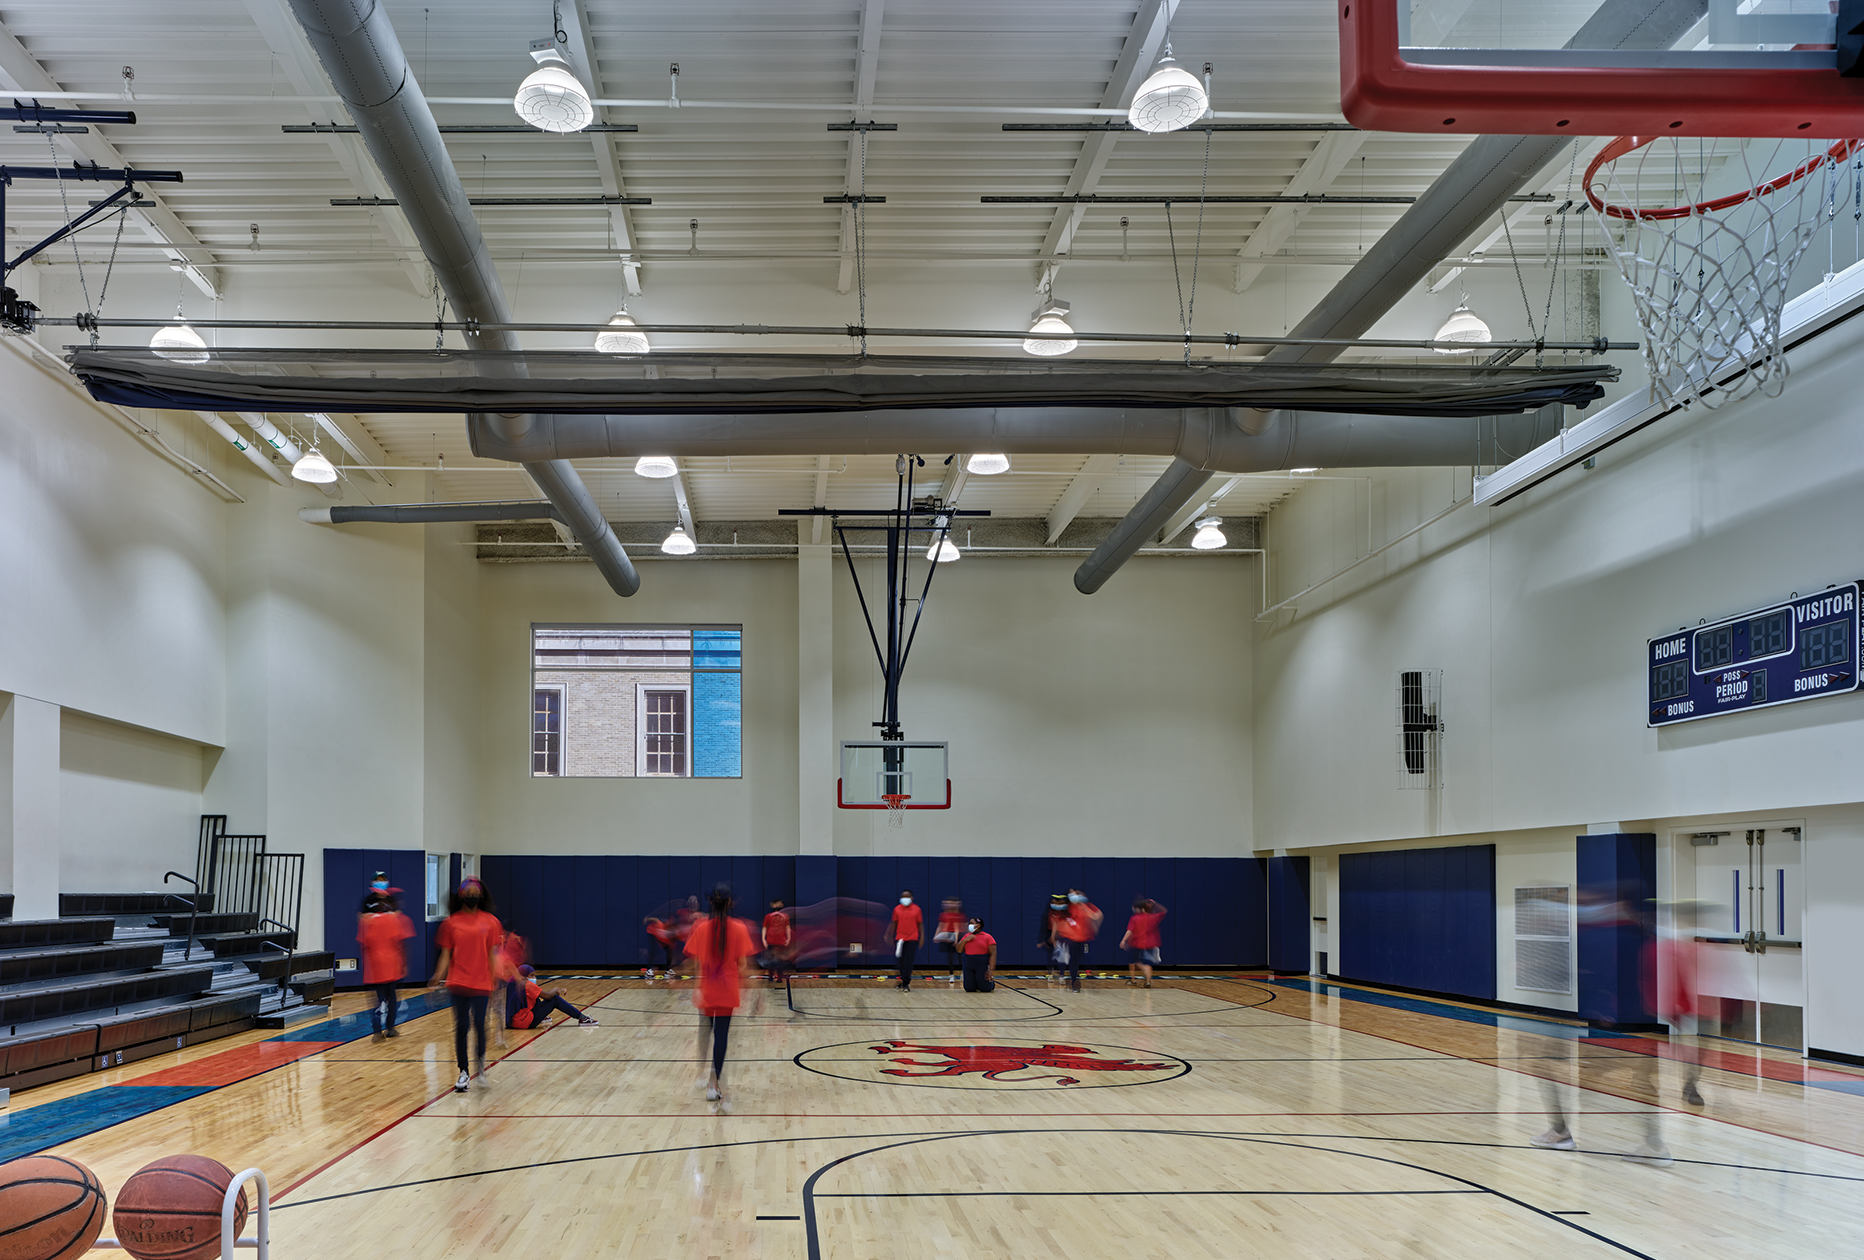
(1801,649)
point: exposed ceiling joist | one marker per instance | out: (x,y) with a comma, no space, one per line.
(285,37)
(1328,159)
(1135,62)
(1079,491)
(1198,507)
(817,524)
(866,66)
(607,161)
(352,437)
(21,73)
(682,496)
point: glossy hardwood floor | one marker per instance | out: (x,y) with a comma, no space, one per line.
(1201,1118)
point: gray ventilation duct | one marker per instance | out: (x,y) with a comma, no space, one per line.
(430,513)
(1474,188)
(1204,439)
(362,55)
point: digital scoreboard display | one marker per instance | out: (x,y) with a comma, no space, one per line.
(1798,650)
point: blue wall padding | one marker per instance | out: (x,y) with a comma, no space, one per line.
(1290,913)
(1419,919)
(586,911)
(1617,919)
(347,873)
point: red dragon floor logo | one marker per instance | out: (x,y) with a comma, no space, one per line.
(995,1061)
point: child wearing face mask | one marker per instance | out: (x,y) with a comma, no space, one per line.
(905,930)
(978,949)
(1076,926)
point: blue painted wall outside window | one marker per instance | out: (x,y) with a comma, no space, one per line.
(718,725)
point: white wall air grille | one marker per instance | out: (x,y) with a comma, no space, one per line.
(1543,936)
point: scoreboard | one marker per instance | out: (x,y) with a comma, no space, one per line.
(1797,650)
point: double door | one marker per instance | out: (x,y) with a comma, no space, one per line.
(1751,971)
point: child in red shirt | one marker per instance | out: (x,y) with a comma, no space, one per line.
(468,941)
(718,949)
(779,941)
(979,950)
(528,1006)
(1076,928)
(380,930)
(951,923)
(906,928)
(1142,938)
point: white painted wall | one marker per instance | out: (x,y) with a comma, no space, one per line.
(130,805)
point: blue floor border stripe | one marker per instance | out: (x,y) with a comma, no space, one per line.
(1424,1006)
(357,1026)
(67,1119)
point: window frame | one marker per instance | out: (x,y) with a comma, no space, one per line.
(563,750)
(641,691)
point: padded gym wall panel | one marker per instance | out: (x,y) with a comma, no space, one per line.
(346,876)
(1007,923)
(553,935)
(1419,919)
(589,947)
(1618,879)
(623,942)
(1289,913)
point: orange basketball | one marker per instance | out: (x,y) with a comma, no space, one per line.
(50,1208)
(170,1210)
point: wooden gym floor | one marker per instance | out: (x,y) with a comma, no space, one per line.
(1206,1117)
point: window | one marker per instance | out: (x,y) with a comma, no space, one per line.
(436,876)
(547,731)
(637,701)
(663,732)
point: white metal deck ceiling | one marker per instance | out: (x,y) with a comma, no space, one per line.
(748,156)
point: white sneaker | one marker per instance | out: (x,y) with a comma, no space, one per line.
(1554,1140)
(712,1094)
(460,1086)
(1656,1154)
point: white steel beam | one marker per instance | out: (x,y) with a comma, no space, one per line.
(866,65)
(821,498)
(1135,63)
(1328,159)
(1188,513)
(956,475)
(285,37)
(1079,491)
(682,495)
(607,161)
(352,437)
(21,74)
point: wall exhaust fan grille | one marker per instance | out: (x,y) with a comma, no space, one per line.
(1420,729)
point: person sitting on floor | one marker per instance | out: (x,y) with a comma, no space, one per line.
(528,1006)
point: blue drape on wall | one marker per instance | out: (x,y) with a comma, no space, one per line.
(1419,919)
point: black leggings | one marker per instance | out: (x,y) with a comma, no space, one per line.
(1077,955)
(463,1003)
(541,1010)
(721,1037)
(385,994)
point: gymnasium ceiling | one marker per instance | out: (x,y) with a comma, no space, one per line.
(749,156)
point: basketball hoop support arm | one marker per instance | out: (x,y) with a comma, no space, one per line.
(900,526)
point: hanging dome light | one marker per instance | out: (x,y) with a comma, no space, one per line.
(314,468)
(1463,326)
(943,549)
(658,467)
(987,465)
(1171,98)
(552,98)
(1048,319)
(1208,536)
(621,336)
(679,543)
(179,343)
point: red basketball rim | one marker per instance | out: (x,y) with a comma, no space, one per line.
(1839,152)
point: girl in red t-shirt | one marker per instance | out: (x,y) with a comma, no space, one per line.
(1142,939)
(468,941)
(1079,925)
(380,930)
(718,953)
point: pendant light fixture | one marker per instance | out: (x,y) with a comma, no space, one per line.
(943,550)
(552,98)
(1464,327)
(679,543)
(1208,536)
(1170,99)
(1048,319)
(179,343)
(659,467)
(987,465)
(314,468)
(621,336)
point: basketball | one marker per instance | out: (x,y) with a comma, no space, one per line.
(50,1208)
(170,1210)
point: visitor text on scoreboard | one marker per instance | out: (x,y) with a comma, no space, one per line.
(1801,649)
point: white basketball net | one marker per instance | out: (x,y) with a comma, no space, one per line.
(896,809)
(1710,278)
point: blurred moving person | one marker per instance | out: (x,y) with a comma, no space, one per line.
(528,1006)
(1142,939)
(718,953)
(1669,974)
(381,928)
(951,924)
(468,941)
(779,941)
(662,935)
(1049,940)
(905,930)
(1078,925)
(978,948)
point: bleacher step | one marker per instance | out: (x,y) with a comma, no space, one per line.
(291,1016)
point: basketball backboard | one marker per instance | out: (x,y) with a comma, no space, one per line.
(872,770)
(1745,68)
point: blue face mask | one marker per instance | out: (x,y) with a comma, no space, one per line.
(906,901)
(380,885)
(1076,897)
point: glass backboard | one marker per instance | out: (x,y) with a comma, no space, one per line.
(1736,68)
(872,770)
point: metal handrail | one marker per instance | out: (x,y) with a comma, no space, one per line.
(194,911)
(284,981)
